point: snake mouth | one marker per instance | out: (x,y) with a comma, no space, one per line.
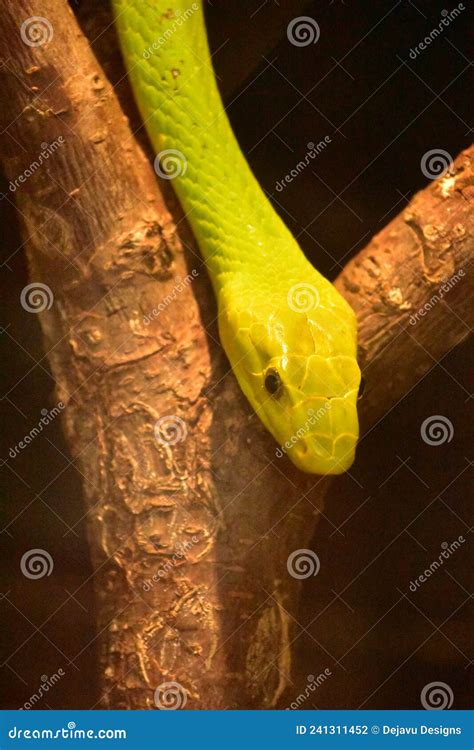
(311,454)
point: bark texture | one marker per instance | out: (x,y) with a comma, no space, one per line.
(189,534)
(411,288)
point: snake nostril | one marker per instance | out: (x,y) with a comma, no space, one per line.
(302,447)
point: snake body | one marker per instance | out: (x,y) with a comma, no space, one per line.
(291,339)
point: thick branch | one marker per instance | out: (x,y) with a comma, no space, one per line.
(98,234)
(412,289)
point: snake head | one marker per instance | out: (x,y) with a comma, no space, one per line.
(296,363)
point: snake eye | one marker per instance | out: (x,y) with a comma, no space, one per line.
(272,382)
(361,388)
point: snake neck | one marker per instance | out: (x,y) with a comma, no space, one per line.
(167,55)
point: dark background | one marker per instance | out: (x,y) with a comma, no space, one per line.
(382,111)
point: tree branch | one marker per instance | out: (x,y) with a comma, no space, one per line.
(411,288)
(191,585)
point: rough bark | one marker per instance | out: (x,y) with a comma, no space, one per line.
(411,288)
(99,234)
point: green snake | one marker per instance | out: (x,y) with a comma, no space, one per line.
(290,337)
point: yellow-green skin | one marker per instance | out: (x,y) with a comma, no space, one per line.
(277,314)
